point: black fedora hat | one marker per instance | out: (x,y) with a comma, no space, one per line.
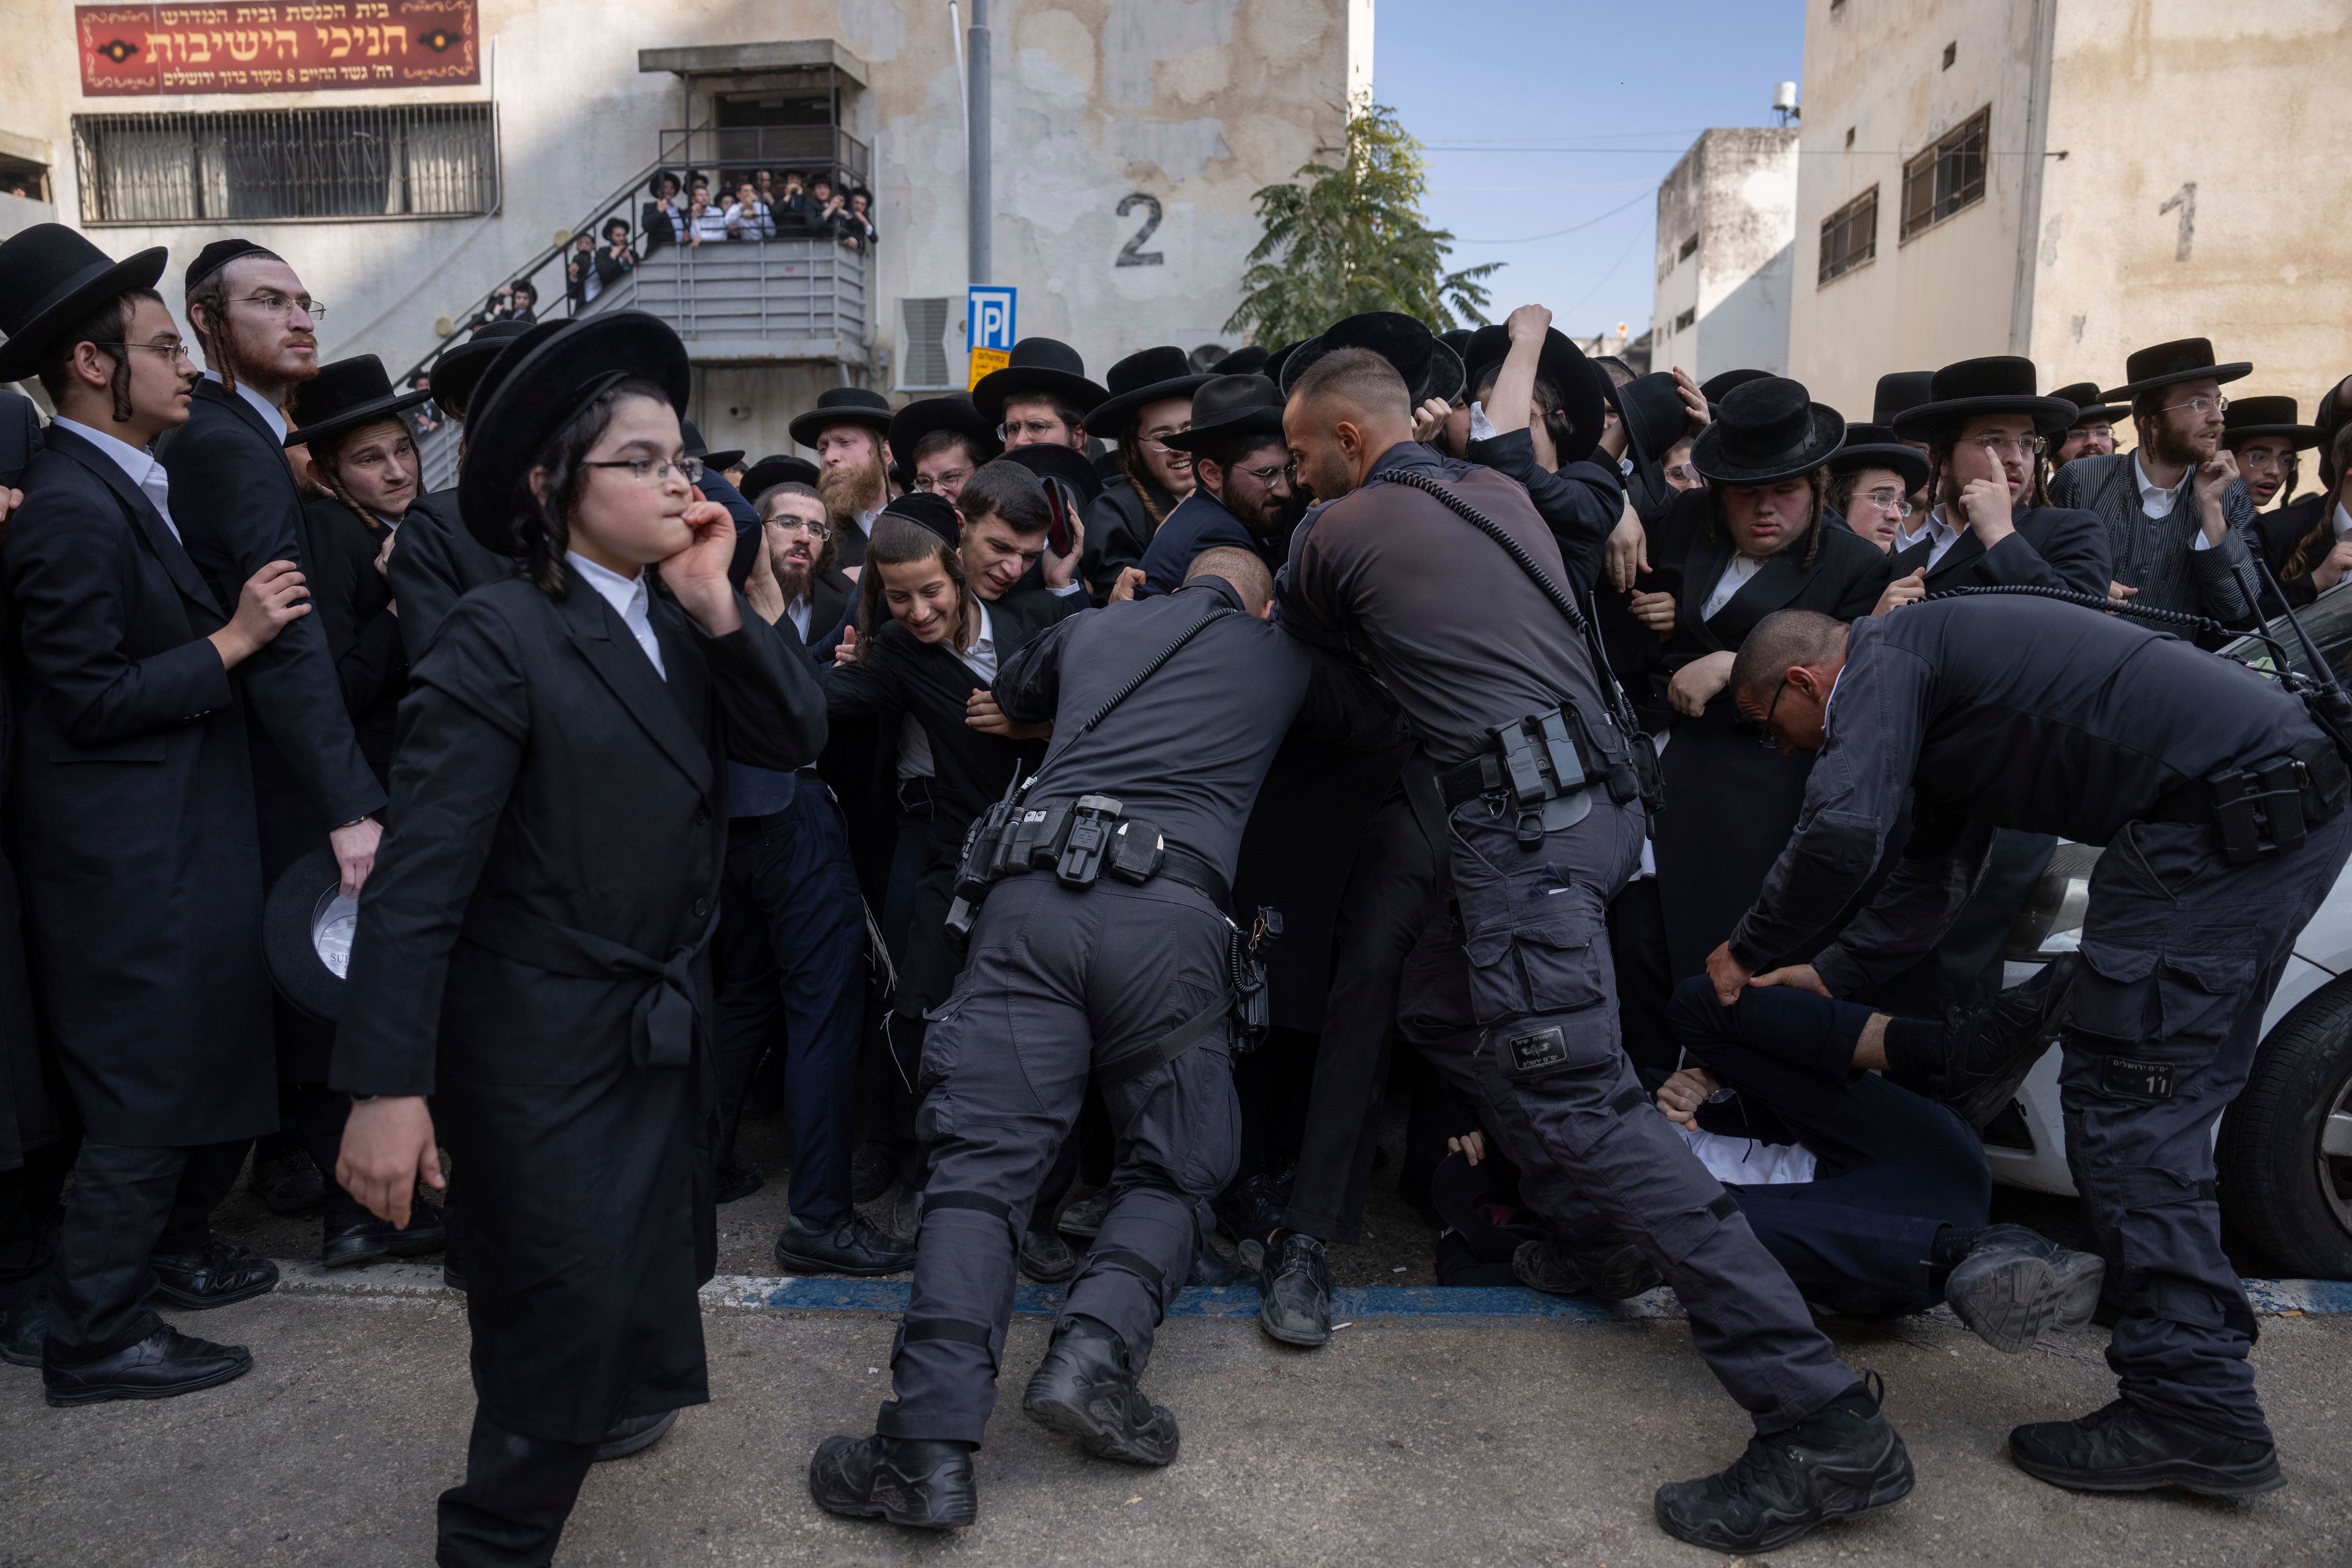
(1715,388)
(1143,378)
(1767,429)
(1900,390)
(2085,396)
(2166,364)
(1038,367)
(768,472)
(1067,463)
(1876,446)
(1583,386)
(842,405)
(458,371)
(51,277)
(510,353)
(1655,415)
(2248,418)
(307,927)
(936,514)
(926,416)
(540,387)
(695,446)
(1247,360)
(1996,383)
(346,395)
(1430,368)
(1232,405)
(1277,359)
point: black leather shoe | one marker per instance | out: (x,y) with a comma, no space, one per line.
(2121,1447)
(287,1183)
(634,1434)
(220,1273)
(2009,1287)
(1047,1258)
(167,1363)
(872,1168)
(23,1328)
(373,1238)
(1296,1282)
(926,1485)
(1214,1269)
(1844,1459)
(853,1244)
(1085,1390)
(1248,1210)
(1613,1274)
(1989,1049)
(1082,1221)
(738,1180)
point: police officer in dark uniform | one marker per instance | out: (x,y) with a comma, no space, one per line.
(1445,578)
(1104,951)
(2220,803)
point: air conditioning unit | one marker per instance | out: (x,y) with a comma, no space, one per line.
(928,360)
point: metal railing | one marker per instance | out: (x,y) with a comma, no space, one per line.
(733,153)
(390,161)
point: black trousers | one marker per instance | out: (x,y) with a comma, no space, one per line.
(127,1205)
(519,1492)
(318,1114)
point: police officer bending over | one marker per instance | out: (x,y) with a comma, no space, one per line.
(1102,950)
(2220,803)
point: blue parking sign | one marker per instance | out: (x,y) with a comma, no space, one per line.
(989,318)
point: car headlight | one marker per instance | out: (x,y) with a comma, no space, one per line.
(2050,921)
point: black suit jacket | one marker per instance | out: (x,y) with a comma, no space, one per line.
(435,564)
(2053,547)
(353,603)
(134,807)
(2279,532)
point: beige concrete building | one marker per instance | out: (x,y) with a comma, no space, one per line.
(2071,180)
(1726,220)
(409,155)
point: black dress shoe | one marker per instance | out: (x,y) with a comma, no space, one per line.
(2011,1284)
(1248,1210)
(634,1434)
(1844,1459)
(872,1169)
(23,1328)
(286,1182)
(905,1481)
(373,1238)
(1610,1274)
(1046,1258)
(1082,1221)
(219,1273)
(2124,1448)
(1214,1269)
(167,1363)
(738,1180)
(854,1246)
(1295,1284)
(1084,1390)
(1989,1049)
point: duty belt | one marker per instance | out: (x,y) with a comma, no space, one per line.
(1175,865)
(2266,809)
(1545,764)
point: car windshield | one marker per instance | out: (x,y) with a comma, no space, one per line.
(2327,622)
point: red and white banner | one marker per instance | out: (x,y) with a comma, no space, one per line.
(148,50)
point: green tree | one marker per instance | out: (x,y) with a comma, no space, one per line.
(1346,240)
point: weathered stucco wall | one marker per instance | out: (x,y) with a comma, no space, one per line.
(1736,191)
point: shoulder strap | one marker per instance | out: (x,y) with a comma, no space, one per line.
(1151,669)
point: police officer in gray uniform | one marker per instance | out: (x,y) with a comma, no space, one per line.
(2220,803)
(1103,951)
(1444,577)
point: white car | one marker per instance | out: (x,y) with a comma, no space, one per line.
(2284,1148)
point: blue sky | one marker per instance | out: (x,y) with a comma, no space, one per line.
(1630,85)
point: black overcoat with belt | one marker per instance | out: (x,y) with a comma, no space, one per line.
(133,815)
(536,923)
(1731,803)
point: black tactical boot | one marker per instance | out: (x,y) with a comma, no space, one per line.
(2121,1447)
(906,1480)
(1988,1049)
(2010,1284)
(1609,1273)
(1046,1258)
(1085,1390)
(1295,1281)
(1844,1459)
(1248,1210)
(1083,1220)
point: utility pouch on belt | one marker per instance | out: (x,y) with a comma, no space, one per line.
(2269,808)
(1545,764)
(1253,1010)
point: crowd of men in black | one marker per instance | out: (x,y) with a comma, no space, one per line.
(947,794)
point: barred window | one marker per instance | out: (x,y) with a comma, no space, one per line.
(1850,236)
(1687,320)
(426,160)
(1948,176)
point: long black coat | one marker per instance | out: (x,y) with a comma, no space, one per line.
(434,564)
(353,602)
(558,827)
(2280,531)
(2053,547)
(1119,528)
(134,817)
(1731,802)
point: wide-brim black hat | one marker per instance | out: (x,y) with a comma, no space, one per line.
(2168,364)
(1277,358)
(2254,418)
(1767,430)
(1067,463)
(346,395)
(307,927)
(1582,386)
(1717,387)
(1655,417)
(1876,446)
(458,373)
(768,472)
(695,446)
(1245,405)
(50,278)
(1430,368)
(1900,390)
(842,405)
(547,383)
(1972,388)
(1145,377)
(929,415)
(2085,396)
(1247,360)
(1039,368)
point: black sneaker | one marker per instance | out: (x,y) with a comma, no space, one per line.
(373,1238)
(738,1179)
(1296,1282)
(853,1244)
(286,1181)
(216,1273)
(926,1485)
(2121,1447)
(2012,1284)
(633,1435)
(1046,1258)
(1989,1049)
(1085,1390)
(1082,1221)
(1612,1274)
(1844,1459)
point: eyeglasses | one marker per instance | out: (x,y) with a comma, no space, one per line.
(169,348)
(1764,731)
(1994,446)
(933,484)
(2204,408)
(1684,474)
(1267,476)
(1036,429)
(270,303)
(1890,501)
(816,531)
(657,469)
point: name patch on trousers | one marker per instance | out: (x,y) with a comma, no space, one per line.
(2128,1074)
(1543,1048)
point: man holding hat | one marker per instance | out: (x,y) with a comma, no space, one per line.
(2093,434)
(1537,411)
(133,806)
(1243,495)
(848,430)
(2180,523)
(1151,400)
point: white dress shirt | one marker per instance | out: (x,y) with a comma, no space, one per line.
(980,656)
(1935,526)
(136,461)
(260,404)
(630,600)
(798,612)
(2158,503)
(2343,521)
(1735,578)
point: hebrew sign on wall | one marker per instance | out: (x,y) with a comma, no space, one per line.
(149,51)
